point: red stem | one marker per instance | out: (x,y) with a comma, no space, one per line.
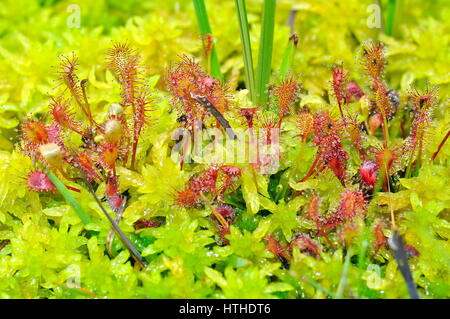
(73,189)
(311,170)
(183,152)
(403,129)
(440,145)
(319,229)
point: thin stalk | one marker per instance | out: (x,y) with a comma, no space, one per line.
(440,146)
(246,48)
(411,158)
(110,237)
(410,161)
(390,199)
(88,107)
(135,144)
(344,274)
(3,244)
(265,50)
(69,198)
(386,130)
(311,170)
(361,261)
(419,156)
(203,24)
(123,238)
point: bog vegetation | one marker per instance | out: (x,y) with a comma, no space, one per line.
(101,196)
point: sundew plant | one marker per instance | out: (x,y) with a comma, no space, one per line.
(244,149)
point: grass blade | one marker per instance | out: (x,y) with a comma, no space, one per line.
(288,58)
(203,24)
(123,238)
(396,244)
(85,218)
(246,48)
(344,275)
(69,198)
(390,17)
(265,50)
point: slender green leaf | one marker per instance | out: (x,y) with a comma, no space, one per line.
(265,50)
(344,275)
(69,198)
(203,24)
(123,238)
(288,57)
(246,48)
(391,16)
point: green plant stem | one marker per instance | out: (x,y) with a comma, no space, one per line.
(69,198)
(265,50)
(246,48)
(203,24)
(344,274)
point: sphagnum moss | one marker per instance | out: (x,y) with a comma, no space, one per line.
(312,228)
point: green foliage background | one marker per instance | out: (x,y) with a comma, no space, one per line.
(47,243)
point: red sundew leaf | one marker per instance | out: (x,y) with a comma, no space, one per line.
(38,181)
(305,123)
(340,79)
(186,197)
(372,60)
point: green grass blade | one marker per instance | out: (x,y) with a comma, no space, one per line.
(361,263)
(203,24)
(288,57)
(246,48)
(265,50)
(319,287)
(69,198)
(391,17)
(344,275)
